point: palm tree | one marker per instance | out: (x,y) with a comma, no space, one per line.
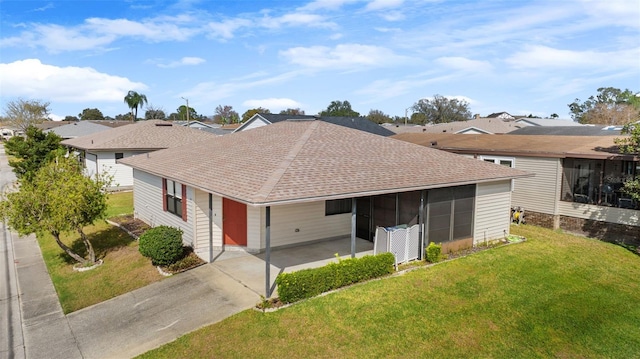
(135,100)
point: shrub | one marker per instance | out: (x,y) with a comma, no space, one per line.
(308,283)
(434,252)
(162,244)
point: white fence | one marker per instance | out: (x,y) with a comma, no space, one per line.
(404,243)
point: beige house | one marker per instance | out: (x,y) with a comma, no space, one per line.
(99,151)
(578,179)
(299,182)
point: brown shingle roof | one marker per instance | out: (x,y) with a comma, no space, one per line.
(143,135)
(301,161)
(600,147)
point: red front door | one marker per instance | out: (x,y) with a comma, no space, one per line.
(234,222)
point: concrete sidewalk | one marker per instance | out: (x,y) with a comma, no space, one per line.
(124,326)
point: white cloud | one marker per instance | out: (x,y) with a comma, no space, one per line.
(376,5)
(296,19)
(392,15)
(327,4)
(537,56)
(32,79)
(614,12)
(343,56)
(273,104)
(185,61)
(464,64)
(226,28)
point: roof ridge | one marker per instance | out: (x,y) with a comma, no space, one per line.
(276,175)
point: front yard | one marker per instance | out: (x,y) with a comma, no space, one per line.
(124,269)
(555,295)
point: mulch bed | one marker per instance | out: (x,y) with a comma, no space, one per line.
(131,224)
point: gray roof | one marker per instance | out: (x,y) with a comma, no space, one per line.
(306,161)
(568,131)
(484,124)
(357,123)
(142,135)
(547,122)
(78,129)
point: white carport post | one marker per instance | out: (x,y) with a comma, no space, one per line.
(353,228)
(267,256)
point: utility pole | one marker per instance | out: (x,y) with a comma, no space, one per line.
(186,99)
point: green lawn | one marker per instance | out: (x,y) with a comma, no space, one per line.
(555,295)
(124,269)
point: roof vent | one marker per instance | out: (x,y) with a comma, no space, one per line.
(434,143)
(164,124)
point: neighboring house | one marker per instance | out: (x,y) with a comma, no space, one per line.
(502,115)
(213,128)
(481,125)
(527,121)
(100,151)
(194,124)
(358,123)
(77,129)
(591,130)
(577,186)
(297,182)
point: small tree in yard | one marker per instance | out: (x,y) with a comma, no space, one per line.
(631,145)
(33,151)
(59,199)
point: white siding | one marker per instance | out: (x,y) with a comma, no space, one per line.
(147,205)
(122,175)
(202,245)
(299,223)
(255,123)
(91,164)
(541,192)
(493,211)
(256,228)
(599,213)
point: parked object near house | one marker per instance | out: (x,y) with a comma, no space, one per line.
(100,151)
(299,182)
(578,179)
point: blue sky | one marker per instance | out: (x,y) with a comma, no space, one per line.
(523,57)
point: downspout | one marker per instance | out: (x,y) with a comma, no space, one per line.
(267,256)
(421,223)
(353,228)
(210,227)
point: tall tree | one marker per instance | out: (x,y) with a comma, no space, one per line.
(91,114)
(292,111)
(182,114)
(378,116)
(225,114)
(249,113)
(24,113)
(340,109)
(59,199)
(442,110)
(153,113)
(135,100)
(631,145)
(611,106)
(32,151)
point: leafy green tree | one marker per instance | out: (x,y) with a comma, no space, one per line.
(378,117)
(339,109)
(71,118)
(32,151)
(554,115)
(135,100)
(249,113)
(24,113)
(611,106)
(442,110)
(225,114)
(91,114)
(181,114)
(631,145)
(292,111)
(59,199)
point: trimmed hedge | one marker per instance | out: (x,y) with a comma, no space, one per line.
(434,252)
(308,283)
(163,244)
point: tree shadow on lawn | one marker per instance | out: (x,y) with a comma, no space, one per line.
(104,241)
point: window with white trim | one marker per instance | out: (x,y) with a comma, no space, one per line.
(504,161)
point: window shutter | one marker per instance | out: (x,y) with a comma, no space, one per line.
(184,203)
(164,194)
